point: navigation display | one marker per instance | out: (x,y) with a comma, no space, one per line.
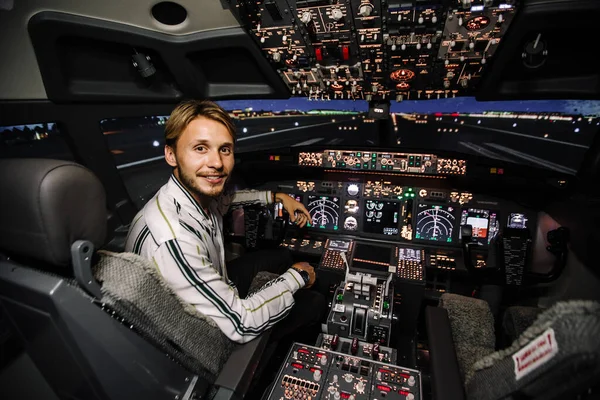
(324,211)
(484,223)
(381,217)
(435,222)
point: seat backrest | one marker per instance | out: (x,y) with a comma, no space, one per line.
(46,205)
(83,352)
(558,357)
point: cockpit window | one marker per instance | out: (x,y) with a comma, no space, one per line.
(34,140)
(552,135)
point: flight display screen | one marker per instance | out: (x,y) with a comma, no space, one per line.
(324,211)
(517,220)
(371,257)
(381,217)
(484,223)
(435,222)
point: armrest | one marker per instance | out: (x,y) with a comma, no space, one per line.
(237,373)
(445,376)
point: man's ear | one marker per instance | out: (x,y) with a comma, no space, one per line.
(170,156)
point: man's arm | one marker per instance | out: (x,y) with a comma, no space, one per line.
(190,273)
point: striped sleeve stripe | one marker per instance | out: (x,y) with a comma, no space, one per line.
(214,298)
(165,217)
(133,226)
(193,230)
(139,241)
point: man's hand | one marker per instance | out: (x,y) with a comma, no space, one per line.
(311,272)
(298,213)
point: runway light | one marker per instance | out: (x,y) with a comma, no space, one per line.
(296,124)
(576,130)
(155,143)
(515,125)
(545,135)
(478,122)
(340,128)
(245,130)
(272,129)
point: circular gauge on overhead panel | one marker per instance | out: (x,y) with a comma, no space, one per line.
(477,23)
(422,193)
(352,189)
(402,75)
(350,224)
(403,86)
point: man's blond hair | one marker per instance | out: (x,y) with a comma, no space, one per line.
(189,110)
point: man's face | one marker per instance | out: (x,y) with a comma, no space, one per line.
(203,158)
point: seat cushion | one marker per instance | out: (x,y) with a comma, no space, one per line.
(133,288)
(472,326)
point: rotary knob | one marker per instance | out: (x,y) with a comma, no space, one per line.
(306,17)
(411,381)
(348,378)
(317,375)
(360,387)
(365,9)
(336,14)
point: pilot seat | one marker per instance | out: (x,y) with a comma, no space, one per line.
(557,356)
(99,324)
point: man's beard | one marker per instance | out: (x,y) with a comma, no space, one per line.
(190,183)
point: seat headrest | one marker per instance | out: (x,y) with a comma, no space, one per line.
(46,205)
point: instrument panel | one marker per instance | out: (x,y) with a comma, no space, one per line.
(411,163)
(377,49)
(387,209)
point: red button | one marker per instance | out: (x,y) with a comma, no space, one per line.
(345,53)
(319,54)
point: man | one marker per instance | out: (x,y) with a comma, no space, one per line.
(181,230)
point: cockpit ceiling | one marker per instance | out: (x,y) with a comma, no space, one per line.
(20,77)
(371,50)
